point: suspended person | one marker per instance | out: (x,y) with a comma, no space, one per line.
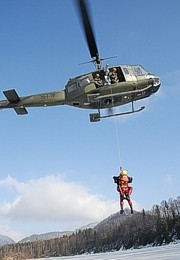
(124,189)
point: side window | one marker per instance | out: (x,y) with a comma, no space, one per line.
(72,88)
(84,82)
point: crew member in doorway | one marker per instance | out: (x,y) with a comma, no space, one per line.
(114,76)
(124,189)
(98,81)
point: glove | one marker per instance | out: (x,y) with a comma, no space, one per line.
(130,179)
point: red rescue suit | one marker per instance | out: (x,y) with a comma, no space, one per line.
(124,190)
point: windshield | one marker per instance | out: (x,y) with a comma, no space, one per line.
(139,70)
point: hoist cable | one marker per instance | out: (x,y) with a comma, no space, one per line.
(116,131)
(118,146)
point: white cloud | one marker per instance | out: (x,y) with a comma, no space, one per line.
(53,199)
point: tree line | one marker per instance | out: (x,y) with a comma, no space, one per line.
(160,225)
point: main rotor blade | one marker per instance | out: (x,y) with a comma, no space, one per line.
(87,26)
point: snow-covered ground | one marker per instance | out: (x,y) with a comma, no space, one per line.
(169,252)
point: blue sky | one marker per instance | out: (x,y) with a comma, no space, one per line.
(56,166)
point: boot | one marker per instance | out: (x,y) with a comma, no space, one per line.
(121,211)
(132,211)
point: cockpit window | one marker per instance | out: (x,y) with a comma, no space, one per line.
(84,82)
(125,70)
(139,71)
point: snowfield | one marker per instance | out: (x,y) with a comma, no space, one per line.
(168,252)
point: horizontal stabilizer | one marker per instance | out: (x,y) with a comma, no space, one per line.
(21,110)
(11,95)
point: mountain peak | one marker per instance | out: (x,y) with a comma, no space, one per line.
(6,240)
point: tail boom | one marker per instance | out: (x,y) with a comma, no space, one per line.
(19,104)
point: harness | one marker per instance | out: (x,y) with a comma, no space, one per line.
(123,181)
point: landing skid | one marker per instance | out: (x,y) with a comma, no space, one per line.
(96,117)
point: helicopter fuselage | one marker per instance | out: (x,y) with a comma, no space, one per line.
(133,83)
(103,88)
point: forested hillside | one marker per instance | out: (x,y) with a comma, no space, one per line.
(161,225)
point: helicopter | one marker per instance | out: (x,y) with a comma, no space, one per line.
(119,85)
